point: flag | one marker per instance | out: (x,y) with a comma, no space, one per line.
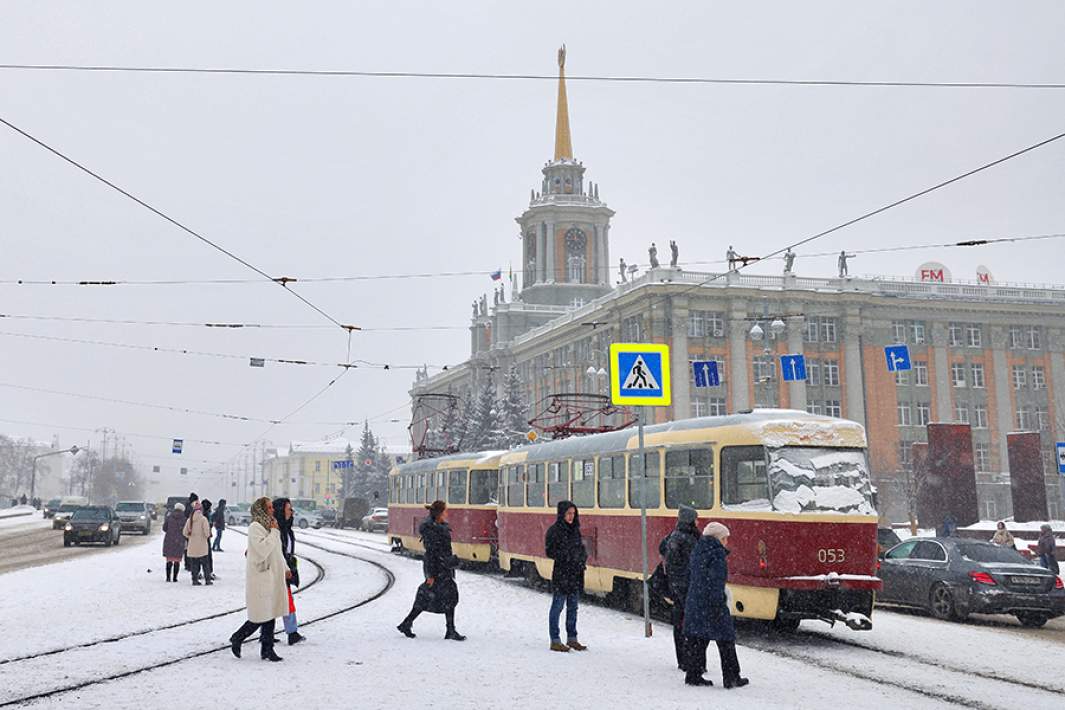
(497,274)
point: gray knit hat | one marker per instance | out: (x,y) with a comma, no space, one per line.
(716,530)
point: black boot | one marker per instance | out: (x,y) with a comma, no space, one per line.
(405,629)
(737,682)
(234,646)
(269,655)
(295,637)
(696,679)
(169,567)
(453,635)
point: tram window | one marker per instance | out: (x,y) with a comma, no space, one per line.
(643,484)
(515,487)
(429,486)
(583,483)
(557,482)
(612,481)
(690,478)
(744,476)
(456,487)
(483,485)
(408,488)
(441,486)
(535,485)
(420,491)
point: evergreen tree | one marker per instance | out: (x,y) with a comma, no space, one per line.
(482,427)
(366,464)
(513,422)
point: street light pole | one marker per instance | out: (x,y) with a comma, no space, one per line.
(33,474)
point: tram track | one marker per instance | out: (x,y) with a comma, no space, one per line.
(389,581)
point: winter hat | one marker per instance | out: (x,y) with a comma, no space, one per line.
(686,514)
(180,507)
(436,508)
(716,530)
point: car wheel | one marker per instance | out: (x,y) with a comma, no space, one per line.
(303,525)
(942,603)
(1033,619)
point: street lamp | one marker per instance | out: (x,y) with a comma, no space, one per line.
(33,475)
(758,334)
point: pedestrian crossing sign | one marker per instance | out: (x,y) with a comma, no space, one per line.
(639,374)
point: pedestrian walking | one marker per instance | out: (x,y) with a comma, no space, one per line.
(706,610)
(188,514)
(283,514)
(208,512)
(1002,537)
(174,541)
(266,573)
(198,533)
(676,550)
(219,525)
(439,594)
(1046,548)
(949,526)
(563,544)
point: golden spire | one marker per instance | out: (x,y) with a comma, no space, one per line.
(563,146)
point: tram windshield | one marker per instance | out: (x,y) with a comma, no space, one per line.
(820,480)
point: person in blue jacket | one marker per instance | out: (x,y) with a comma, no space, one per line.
(706,612)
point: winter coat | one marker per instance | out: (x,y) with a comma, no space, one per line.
(563,544)
(676,550)
(174,539)
(1046,549)
(706,612)
(265,594)
(288,539)
(1003,538)
(198,532)
(220,517)
(439,563)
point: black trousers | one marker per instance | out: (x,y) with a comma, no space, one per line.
(681,645)
(695,650)
(266,634)
(198,565)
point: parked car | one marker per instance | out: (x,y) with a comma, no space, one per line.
(66,508)
(328,516)
(886,538)
(94,523)
(135,515)
(50,507)
(352,511)
(955,577)
(376,521)
(304,519)
(238,514)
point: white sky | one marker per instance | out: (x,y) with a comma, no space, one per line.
(342,176)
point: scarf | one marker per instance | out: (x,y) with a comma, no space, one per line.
(259,514)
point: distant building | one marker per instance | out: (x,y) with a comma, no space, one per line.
(313,469)
(988,354)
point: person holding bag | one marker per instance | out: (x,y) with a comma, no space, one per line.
(439,594)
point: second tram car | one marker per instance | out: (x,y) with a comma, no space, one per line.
(793,489)
(468,482)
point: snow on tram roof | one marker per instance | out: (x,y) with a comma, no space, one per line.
(423,465)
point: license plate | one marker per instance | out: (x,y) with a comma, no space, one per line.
(1027,581)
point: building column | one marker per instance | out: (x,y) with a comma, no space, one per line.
(942,381)
(1003,403)
(737,371)
(604,231)
(541,253)
(852,363)
(796,327)
(679,365)
(550,253)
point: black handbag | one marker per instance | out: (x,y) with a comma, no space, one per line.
(658,583)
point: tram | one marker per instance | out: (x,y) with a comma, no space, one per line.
(793,489)
(468,482)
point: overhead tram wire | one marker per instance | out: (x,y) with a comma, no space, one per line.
(129,435)
(973,242)
(495,76)
(188,230)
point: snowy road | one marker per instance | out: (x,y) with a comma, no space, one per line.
(359,656)
(28,542)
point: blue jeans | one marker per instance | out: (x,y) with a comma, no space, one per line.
(571,602)
(290,623)
(217,540)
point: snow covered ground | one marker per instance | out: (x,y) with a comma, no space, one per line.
(358,659)
(22,516)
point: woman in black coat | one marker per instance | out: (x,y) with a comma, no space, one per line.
(439,594)
(283,514)
(563,545)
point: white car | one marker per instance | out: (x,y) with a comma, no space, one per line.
(304,519)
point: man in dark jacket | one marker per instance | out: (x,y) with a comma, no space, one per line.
(676,550)
(219,524)
(439,594)
(706,610)
(563,545)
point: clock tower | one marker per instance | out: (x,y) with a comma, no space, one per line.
(566,229)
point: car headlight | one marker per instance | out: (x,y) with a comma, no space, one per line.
(142,517)
(105,527)
(69,527)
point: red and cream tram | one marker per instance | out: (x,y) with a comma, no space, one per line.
(793,489)
(468,482)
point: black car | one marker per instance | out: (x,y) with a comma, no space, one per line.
(954,577)
(51,507)
(886,538)
(93,524)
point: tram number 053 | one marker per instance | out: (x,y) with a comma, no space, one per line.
(831,554)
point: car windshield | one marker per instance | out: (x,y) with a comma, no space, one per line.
(820,480)
(129,507)
(90,514)
(68,507)
(990,553)
(52,503)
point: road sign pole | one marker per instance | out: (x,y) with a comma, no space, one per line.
(643,520)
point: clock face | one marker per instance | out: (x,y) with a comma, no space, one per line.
(576,241)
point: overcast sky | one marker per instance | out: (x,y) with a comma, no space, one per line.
(307,176)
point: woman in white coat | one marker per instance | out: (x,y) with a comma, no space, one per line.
(266,593)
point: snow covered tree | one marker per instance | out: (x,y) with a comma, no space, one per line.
(371,466)
(482,422)
(513,421)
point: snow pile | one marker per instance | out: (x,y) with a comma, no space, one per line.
(812,432)
(820,480)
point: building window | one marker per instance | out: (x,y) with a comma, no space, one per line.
(924,413)
(828,330)
(978,375)
(920,373)
(632,329)
(832,408)
(1019,377)
(317,466)
(1039,378)
(899,329)
(764,369)
(814,408)
(961,413)
(698,408)
(954,335)
(1027,337)
(902,377)
(957,374)
(703,324)
(1024,419)
(973,335)
(979,417)
(1041,419)
(810,333)
(917,329)
(717,406)
(903,414)
(982,457)
(813,372)
(831,373)
(906,455)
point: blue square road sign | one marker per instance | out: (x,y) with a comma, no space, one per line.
(706,374)
(898,358)
(793,367)
(1061,457)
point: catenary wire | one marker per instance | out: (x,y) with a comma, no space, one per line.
(222,326)
(130,435)
(632,79)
